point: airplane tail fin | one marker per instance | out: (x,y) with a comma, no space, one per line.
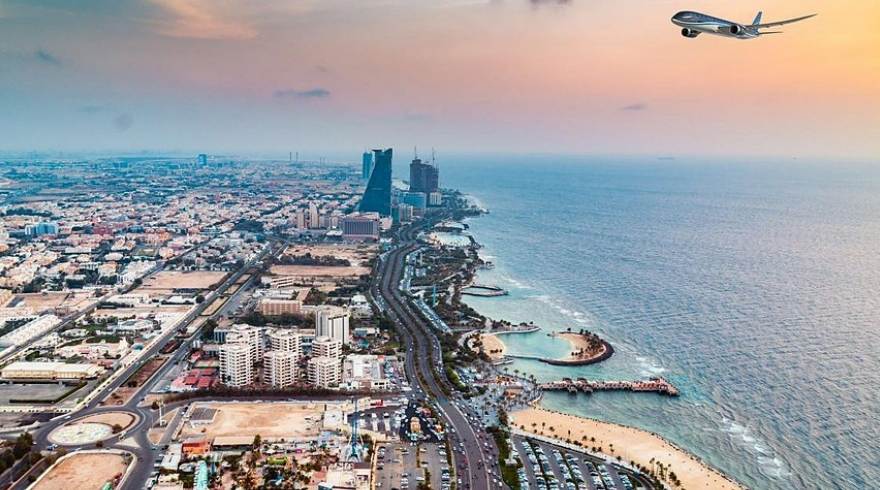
(757,19)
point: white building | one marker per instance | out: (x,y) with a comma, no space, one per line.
(236,364)
(332,321)
(50,370)
(280,368)
(326,347)
(247,334)
(285,341)
(365,371)
(324,372)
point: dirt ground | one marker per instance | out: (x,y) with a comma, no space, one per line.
(318,271)
(123,419)
(167,280)
(90,470)
(40,301)
(269,420)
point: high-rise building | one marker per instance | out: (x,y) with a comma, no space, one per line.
(423,177)
(367,165)
(280,368)
(332,321)
(326,347)
(314,216)
(377,196)
(248,335)
(236,364)
(285,341)
(324,372)
(202,159)
(42,228)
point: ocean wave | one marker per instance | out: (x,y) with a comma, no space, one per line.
(649,367)
(768,463)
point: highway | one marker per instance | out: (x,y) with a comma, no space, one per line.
(424,367)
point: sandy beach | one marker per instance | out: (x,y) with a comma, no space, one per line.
(641,447)
(578,343)
(493,346)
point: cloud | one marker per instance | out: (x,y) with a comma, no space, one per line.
(201,19)
(638,106)
(123,122)
(315,93)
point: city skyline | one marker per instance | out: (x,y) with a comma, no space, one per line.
(512,77)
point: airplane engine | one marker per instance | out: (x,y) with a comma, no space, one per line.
(736,29)
(689,33)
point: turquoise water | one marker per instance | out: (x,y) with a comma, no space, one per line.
(754,287)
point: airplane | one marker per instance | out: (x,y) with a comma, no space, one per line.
(694,23)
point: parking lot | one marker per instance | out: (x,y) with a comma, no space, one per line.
(549,467)
(396,466)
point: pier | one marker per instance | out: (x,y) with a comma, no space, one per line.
(582,385)
(484,291)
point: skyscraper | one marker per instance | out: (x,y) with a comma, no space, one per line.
(423,177)
(367,165)
(377,197)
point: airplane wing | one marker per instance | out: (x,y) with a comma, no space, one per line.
(782,22)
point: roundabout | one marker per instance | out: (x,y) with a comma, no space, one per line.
(92,429)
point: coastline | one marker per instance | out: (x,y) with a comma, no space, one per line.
(631,444)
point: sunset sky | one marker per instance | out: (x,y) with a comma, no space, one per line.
(581,76)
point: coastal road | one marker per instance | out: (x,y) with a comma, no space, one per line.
(424,366)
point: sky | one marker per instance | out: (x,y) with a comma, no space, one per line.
(505,76)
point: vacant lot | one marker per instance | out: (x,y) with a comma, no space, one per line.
(270,420)
(49,301)
(88,470)
(167,280)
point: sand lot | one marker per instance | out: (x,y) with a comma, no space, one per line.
(39,301)
(88,470)
(167,280)
(357,255)
(270,420)
(110,418)
(318,271)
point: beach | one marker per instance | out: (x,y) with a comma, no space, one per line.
(493,346)
(632,445)
(580,343)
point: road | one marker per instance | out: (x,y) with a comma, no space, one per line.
(474,459)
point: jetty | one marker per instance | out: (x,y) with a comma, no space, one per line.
(582,385)
(484,290)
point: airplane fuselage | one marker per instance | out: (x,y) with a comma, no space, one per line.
(695,23)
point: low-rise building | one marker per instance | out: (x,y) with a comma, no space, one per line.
(25,370)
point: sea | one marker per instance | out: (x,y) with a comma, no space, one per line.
(754,286)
